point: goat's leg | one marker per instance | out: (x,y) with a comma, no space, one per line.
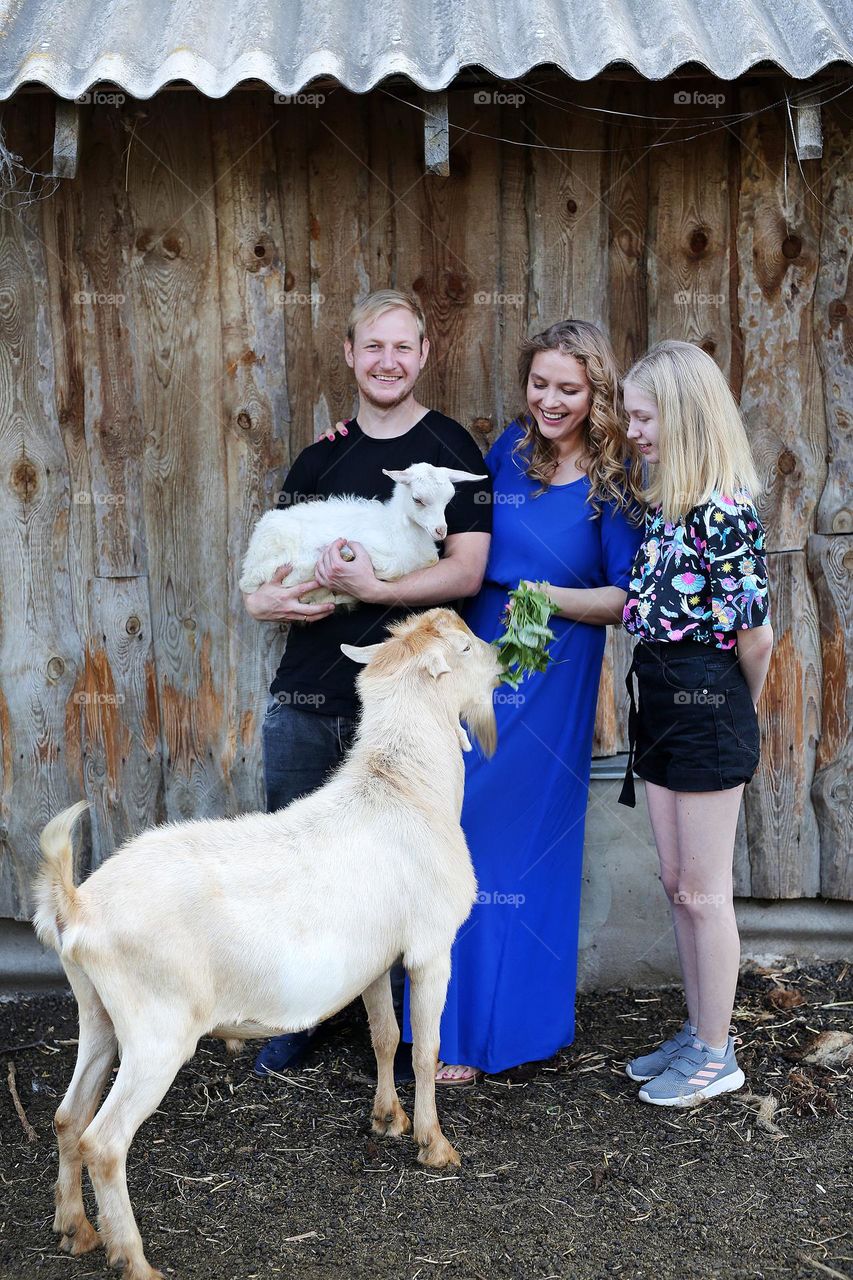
(428,994)
(388,1116)
(95,1055)
(146,1072)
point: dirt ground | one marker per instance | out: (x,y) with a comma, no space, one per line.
(564,1174)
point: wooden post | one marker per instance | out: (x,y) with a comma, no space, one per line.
(807,130)
(436,135)
(66,139)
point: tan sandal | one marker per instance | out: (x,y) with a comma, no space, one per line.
(444,1070)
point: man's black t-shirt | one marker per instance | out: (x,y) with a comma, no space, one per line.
(313,671)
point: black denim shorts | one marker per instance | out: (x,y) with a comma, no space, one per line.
(696,727)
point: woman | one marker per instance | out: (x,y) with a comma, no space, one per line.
(561,518)
(698,602)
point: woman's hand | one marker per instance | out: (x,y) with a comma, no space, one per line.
(341,428)
(274,603)
(354,576)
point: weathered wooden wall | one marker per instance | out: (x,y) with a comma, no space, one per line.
(170,338)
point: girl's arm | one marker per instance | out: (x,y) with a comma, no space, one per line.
(753,650)
(599,606)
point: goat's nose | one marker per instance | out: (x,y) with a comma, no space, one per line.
(440,531)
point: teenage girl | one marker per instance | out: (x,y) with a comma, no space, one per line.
(697,601)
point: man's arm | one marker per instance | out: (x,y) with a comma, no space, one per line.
(459,573)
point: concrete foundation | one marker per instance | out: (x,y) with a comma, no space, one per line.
(626,939)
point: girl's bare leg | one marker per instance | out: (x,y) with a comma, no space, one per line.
(662,813)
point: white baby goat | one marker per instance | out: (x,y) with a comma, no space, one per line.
(399,535)
(247,926)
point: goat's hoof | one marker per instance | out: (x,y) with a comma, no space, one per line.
(392,1123)
(438,1154)
(79,1238)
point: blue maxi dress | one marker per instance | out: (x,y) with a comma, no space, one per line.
(514,963)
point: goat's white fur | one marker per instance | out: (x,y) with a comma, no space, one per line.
(272,922)
(399,535)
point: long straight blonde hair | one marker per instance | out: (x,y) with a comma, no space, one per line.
(702,442)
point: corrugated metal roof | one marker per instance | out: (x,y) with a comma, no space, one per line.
(70,45)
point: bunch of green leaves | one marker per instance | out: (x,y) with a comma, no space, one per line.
(523,647)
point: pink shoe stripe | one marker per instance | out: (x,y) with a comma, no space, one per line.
(695,1081)
(718,1065)
(703,1071)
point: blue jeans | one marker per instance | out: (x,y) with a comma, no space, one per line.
(300,748)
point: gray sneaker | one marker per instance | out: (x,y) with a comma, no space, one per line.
(696,1074)
(652,1064)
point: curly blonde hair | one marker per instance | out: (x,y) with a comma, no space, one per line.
(606,448)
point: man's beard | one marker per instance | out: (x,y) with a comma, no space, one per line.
(385,404)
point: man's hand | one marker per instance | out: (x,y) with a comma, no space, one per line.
(354,577)
(274,603)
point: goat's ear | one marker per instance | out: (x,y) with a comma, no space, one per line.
(361,654)
(434,661)
(399,477)
(457,477)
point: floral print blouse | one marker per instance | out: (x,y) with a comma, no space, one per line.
(703,578)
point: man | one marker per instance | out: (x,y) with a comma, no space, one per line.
(311,717)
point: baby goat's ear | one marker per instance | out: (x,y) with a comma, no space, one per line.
(434,661)
(361,654)
(457,477)
(399,477)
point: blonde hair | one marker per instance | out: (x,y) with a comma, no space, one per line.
(380,301)
(702,441)
(605,449)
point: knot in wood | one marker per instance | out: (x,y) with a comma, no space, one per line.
(837,310)
(786,462)
(25,479)
(482,425)
(289,281)
(698,242)
(572,206)
(792,247)
(244,422)
(455,286)
(133,625)
(55,668)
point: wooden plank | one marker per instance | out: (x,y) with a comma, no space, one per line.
(111,719)
(567,216)
(66,139)
(290,141)
(173,285)
(781,824)
(513,266)
(831,566)
(833,322)
(253,302)
(689,242)
(337,146)
(781,397)
(40,647)
(436,135)
(626,202)
(113,425)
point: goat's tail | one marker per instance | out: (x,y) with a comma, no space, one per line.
(57,900)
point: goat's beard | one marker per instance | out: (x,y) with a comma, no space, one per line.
(480,719)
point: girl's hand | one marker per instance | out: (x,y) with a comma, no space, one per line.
(340,427)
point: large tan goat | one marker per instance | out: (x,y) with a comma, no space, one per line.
(272,922)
